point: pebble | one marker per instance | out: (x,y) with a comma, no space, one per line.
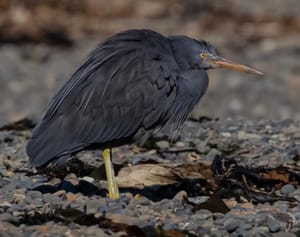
(180,144)
(213,153)
(88,179)
(163,144)
(3,182)
(287,189)
(202,215)
(231,224)
(284,234)
(180,195)
(2,159)
(71,178)
(273,224)
(202,147)
(262,231)
(225,134)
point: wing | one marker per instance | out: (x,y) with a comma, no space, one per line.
(126,85)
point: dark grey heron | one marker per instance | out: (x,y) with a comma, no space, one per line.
(132,84)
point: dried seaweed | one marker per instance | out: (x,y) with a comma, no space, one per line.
(254,184)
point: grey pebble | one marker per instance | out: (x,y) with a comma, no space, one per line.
(242,233)
(260,231)
(180,195)
(3,182)
(199,199)
(163,144)
(2,159)
(213,153)
(273,224)
(202,147)
(202,214)
(8,217)
(170,226)
(284,234)
(287,189)
(94,230)
(72,178)
(231,225)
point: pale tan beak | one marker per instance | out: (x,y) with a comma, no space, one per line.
(219,62)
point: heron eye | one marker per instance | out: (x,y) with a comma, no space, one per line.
(203,55)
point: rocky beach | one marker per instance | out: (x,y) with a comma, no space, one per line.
(234,169)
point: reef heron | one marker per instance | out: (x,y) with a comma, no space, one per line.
(131,85)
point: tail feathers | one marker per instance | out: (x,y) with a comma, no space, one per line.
(49,144)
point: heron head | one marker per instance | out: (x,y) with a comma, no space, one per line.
(199,54)
(210,60)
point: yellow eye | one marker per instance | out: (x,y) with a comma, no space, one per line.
(203,55)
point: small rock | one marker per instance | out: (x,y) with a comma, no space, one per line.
(284,234)
(260,231)
(218,215)
(242,135)
(225,134)
(94,230)
(163,144)
(170,226)
(202,214)
(282,206)
(7,173)
(287,189)
(59,193)
(202,147)
(213,153)
(297,135)
(6,217)
(86,188)
(72,178)
(94,206)
(180,195)
(3,182)
(2,159)
(88,179)
(180,144)
(199,199)
(231,224)
(242,233)
(71,197)
(68,186)
(273,224)
(246,226)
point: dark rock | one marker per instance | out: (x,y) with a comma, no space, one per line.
(68,187)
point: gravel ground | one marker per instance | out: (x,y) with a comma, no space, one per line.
(73,202)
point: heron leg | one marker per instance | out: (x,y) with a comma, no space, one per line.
(113,190)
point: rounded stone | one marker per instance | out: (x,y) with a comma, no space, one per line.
(273,224)
(287,189)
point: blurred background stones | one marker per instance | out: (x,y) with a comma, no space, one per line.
(43,42)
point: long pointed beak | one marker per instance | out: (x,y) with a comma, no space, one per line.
(219,62)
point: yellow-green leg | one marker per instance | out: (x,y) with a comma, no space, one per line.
(113,190)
